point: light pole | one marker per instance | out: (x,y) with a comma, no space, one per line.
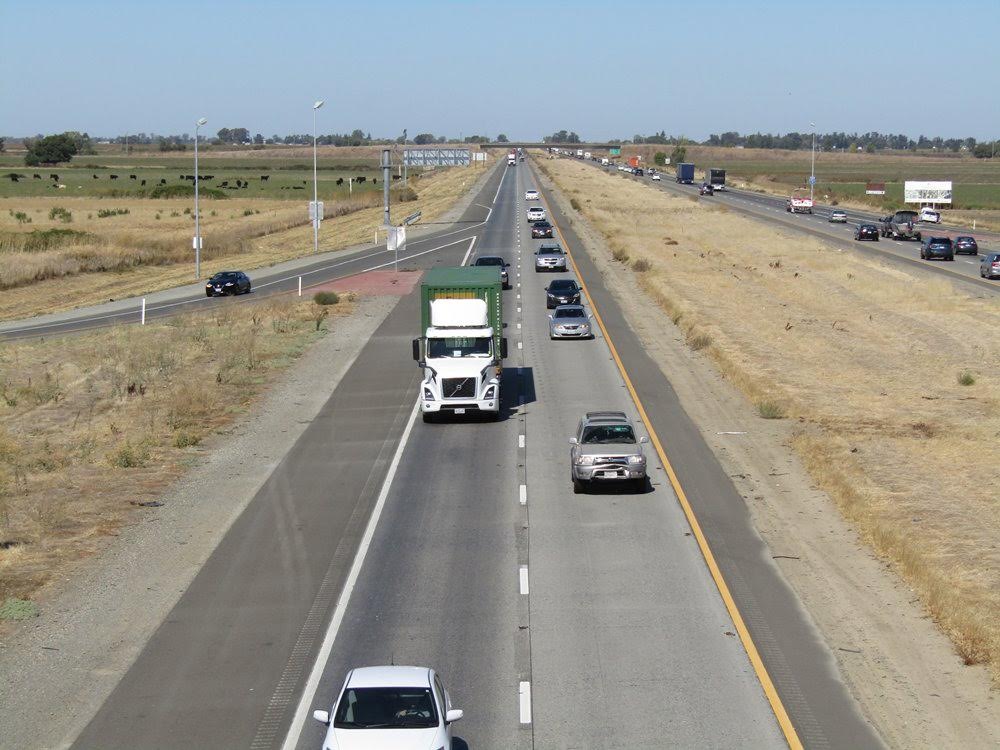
(197,216)
(316,106)
(812,169)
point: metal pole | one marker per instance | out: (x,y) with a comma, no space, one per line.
(812,170)
(316,106)
(197,217)
(386,179)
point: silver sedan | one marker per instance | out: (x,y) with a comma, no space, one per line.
(570,322)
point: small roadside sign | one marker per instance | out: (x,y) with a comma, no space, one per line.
(312,211)
(812,179)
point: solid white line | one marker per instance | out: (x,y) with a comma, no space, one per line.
(469,251)
(520,441)
(312,684)
(501,183)
(524,701)
(522,494)
(522,575)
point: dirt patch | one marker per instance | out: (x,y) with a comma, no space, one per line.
(373,283)
(904,673)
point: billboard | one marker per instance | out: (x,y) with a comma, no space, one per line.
(875,188)
(436,157)
(926,192)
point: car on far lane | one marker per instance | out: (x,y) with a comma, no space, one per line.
(497,262)
(866,232)
(562,292)
(570,322)
(967,245)
(390,707)
(536,213)
(531,195)
(550,257)
(937,247)
(989,266)
(605,449)
(541,230)
(838,217)
(655,177)
(225,283)
(706,189)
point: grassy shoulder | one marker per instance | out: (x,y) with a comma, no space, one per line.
(94,426)
(52,264)
(893,380)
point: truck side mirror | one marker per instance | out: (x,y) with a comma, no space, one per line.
(503,348)
(416,350)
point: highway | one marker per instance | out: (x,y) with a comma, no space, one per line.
(906,253)
(555,620)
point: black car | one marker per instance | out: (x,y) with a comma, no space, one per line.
(937,247)
(497,262)
(227,282)
(966,245)
(866,232)
(638,172)
(541,230)
(562,292)
(706,189)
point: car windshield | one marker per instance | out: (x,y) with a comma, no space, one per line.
(459,347)
(562,286)
(550,250)
(619,434)
(489,261)
(570,312)
(905,215)
(386,708)
(220,278)
(964,239)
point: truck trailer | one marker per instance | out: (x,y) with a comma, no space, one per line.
(717,179)
(685,173)
(461,348)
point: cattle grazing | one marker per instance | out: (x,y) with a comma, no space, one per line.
(245,185)
(54,177)
(224,183)
(132,177)
(303,182)
(163,181)
(374,180)
(37,176)
(265,177)
(396,177)
(13,177)
(142,184)
(340,180)
(94,176)
(297,187)
(359,180)
(113,176)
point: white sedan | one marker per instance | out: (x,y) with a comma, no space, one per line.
(390,707)
(531,195)
(536,213)
(656,176)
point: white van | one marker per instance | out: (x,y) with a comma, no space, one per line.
(930,216)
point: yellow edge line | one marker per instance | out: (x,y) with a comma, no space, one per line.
(787,728)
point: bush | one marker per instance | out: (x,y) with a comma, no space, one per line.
(58,212)
(699,341)
(129,456)
(660,158)
(575,204)
(641,265)
(404,194)
(326,298)
(185,439)
(966,378)
(183,191)
(620,255)
(768,409)
(103,213)
(22,217)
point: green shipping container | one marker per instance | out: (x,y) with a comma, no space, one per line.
(464,282)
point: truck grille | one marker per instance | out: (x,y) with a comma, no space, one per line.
(458,387)
(606,460)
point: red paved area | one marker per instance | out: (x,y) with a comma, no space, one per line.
(372,283)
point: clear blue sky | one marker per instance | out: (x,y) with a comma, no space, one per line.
(604,69)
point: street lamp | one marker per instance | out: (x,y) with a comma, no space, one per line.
(197,216)
(316,106)
(812,171)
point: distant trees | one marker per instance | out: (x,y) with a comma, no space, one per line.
(502,138)
(422,139)
(660,158)
(258,139)
(986,150)
(51,149)
(562,136)
(477,139)
(2,147)
(869,142)
(234,135)
(679,154)
(171,143)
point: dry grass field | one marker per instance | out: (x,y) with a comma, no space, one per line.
(892,379)
(93,426)
(53,264)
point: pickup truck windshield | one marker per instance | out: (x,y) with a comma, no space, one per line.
(459,347)
(618,434)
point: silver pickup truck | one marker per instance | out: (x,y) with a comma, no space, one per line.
(550,258)
(901,225)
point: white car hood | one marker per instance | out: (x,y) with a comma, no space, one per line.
(385,739)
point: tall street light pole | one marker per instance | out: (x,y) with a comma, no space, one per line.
(316,106)
(812,169)
(197,216)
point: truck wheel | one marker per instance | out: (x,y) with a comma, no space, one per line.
(429,417)
(577,486)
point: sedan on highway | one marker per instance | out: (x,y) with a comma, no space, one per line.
(937,247)
(390,707)
(706,189)
(838,217)
(550,258)
(966,245)
(562,292)
(541,230)
(989,266)
(605,449)
(531,195)
(227,282)
(497,262)
(536,213)
(570,322)
(655,177)
(866,232)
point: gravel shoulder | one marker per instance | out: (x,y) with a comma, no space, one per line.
(902,670)
(59,668)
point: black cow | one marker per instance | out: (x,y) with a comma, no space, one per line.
(37,176)
(359,180)
(297,187)
(396,177)
(54,177)
(132,177)
(163,181)
(142,184)
(265,177)
(374,180)
(224,183)
(14,178)
(113,177)
(94,176)
(340,180)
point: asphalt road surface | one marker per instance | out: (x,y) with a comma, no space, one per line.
(556,620)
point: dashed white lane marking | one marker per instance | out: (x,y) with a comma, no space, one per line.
(520,345)
(520,441)
(519,326)
(519,309)
(522,494)
(519,296)
(522,576)
(524,701)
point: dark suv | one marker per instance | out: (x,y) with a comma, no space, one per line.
(966,245)
(866,232)
(497,262)
(937,247)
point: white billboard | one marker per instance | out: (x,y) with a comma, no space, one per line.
(926,192)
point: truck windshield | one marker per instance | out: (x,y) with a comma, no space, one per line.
(459,347)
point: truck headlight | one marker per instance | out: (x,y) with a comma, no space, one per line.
(428,394)
(584,461)
(490,394)
(637,459)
